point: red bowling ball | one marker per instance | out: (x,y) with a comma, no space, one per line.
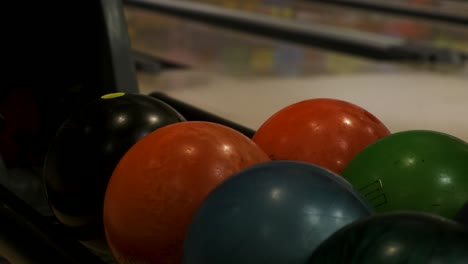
(326,132)
(161,181)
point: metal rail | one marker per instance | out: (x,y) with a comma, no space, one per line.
(28,237)
(192,113)
(396,8)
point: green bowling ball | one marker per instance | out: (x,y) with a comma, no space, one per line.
(418,170)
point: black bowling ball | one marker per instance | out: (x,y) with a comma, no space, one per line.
(85,150)
(395,238)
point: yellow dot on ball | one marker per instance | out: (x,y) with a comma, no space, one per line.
(112,95)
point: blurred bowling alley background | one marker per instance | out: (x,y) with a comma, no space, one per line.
(235,131)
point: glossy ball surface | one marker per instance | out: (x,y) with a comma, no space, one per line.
(394,238)
(326,132)
(86,149)
(161,181)
(274,212)
(416,170)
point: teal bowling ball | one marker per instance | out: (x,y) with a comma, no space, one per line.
(396,238)
(273,212)
(85,150)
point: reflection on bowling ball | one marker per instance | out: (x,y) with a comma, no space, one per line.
(326,132)
(86,149)
(413,170)
(394,238)
(274,212)
(161,181)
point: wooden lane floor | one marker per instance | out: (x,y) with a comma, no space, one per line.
(402,100)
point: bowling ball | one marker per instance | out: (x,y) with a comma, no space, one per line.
(462,215)
(274,212)
(326,132)
(85,150)
(394,238)
(161,181)
(417,170)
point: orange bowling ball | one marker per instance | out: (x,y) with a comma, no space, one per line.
(323,131)
(160,182)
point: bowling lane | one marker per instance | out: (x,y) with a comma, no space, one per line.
(218,49)
(246,78)
(230,52)
(403,101)
(413,29)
